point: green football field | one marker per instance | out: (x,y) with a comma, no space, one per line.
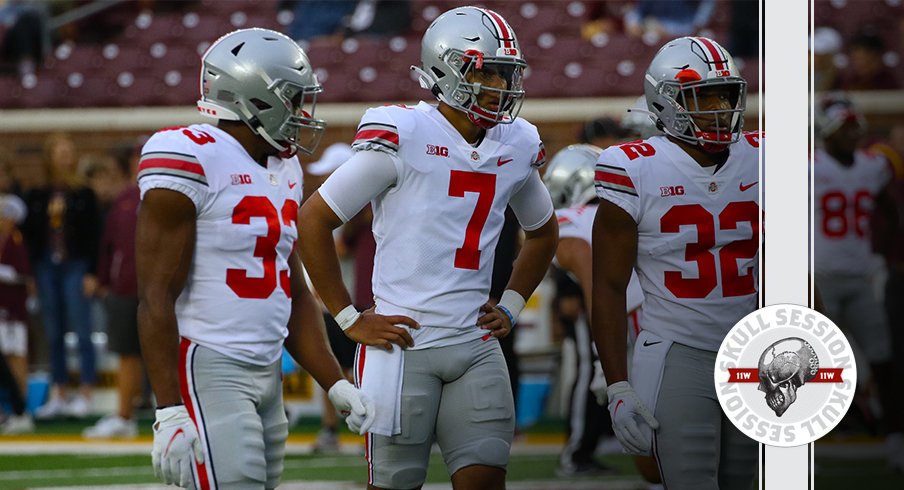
(57,457)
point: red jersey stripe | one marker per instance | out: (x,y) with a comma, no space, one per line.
(172,163)
(367,134)
(612,178)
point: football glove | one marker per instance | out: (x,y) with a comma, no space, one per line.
(176,446)
(632,422)
(356,406)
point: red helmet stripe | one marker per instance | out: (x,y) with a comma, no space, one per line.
(501,27)
(717,57)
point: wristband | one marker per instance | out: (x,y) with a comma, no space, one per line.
(347,317)
(511,304)
(507,313)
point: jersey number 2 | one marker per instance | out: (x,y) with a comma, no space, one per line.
(733,283)
(265,247)
(468,255)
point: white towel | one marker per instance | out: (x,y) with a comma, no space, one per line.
(378,374)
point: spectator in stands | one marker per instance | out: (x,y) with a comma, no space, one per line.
(15,281)
(8,183)
(317,18)
(826,46)
(604,18)
(20,422)
(655,19)
(23,35)
(118,289)
(866,69)
(62,231)
(104,176)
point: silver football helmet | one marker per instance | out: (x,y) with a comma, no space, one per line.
(262,78)
(680,68)
(569,176)
(833,109)
(460,52)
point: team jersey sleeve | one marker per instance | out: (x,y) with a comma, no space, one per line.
(532,204)
(615,183)
(568,220)
(168,161)
(377,131)
(362,178)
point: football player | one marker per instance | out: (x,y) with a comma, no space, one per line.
(682,209)
(850,185)
(440,178)
(220,286)
(570,180)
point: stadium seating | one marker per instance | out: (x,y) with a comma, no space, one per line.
(154,60)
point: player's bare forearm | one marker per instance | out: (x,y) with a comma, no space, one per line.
(575,256)
(614,253)
(316,222)
(534,258)
(165,242)
(307,340)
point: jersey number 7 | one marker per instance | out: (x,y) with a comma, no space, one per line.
(468,255)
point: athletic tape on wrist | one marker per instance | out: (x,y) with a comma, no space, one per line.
(511,304)
(347,317)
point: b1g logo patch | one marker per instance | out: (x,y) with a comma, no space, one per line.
(785,375)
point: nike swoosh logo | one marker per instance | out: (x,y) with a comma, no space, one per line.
(647,343)
(618,404)
(172,439)
(748,186)
(292,185)
(500,162)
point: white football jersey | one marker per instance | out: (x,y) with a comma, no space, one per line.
(844,200)
(436,229)
(577,222)
(237,296)
(698,234)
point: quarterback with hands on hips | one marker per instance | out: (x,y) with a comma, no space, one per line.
(221,287)
(683,210)
(440,178)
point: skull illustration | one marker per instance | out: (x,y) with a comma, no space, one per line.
(784,367)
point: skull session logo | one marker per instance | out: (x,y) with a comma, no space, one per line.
(785,375)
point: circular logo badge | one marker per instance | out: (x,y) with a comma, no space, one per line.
(475,156)
(785,375)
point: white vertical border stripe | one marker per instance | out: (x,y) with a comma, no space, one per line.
(786,193)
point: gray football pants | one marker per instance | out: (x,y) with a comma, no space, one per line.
(697,447)
(238,410)
(458,395)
